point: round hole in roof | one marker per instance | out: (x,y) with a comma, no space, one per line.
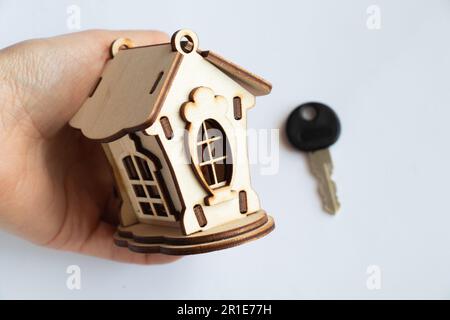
(184,41)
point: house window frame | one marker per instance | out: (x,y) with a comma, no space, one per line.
(146,181)
(205,141)
(204,105)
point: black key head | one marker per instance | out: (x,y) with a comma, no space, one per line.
(313,126)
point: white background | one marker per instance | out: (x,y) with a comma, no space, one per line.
(391,89)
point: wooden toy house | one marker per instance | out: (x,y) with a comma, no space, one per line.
(172,121)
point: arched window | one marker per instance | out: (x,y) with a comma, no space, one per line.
(145,186)
(214,154)
(210,149)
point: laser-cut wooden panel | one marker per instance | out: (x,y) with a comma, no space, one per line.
(198,210)
(129,96)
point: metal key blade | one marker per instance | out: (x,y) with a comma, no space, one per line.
(322,168)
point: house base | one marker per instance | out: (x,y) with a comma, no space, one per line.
(144,238)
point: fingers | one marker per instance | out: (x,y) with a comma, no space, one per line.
(106,37)
(100,244)
(139,37)
(97,43)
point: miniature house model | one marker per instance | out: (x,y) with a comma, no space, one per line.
(172,122)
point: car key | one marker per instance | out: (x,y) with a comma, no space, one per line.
(313,127)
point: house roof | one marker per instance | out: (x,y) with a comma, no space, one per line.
(133,87)
(253,83)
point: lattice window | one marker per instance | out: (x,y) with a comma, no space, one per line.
(145,186)
(214,154)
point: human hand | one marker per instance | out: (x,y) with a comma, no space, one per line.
(56,187)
